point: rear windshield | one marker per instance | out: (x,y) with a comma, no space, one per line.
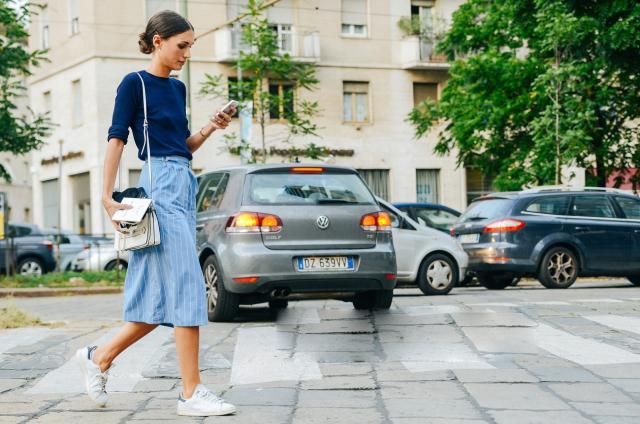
(303,189)
(486,209)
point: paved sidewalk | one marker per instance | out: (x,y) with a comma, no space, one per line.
(523,355)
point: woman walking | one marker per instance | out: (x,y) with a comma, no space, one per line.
(164,283)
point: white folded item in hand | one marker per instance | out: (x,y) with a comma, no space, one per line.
(135,214)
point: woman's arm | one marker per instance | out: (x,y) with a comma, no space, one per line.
(111,162)
(219,121)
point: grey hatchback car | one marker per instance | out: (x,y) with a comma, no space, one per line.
(270,233)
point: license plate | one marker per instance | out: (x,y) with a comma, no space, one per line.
(469,238)
(325,263)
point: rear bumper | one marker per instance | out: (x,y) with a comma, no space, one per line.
(276,269)
(497,257)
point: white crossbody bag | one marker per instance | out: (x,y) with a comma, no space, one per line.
(143,230)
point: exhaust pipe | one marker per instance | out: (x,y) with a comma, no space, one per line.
(285,292)
(280,292)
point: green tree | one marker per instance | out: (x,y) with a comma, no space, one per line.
(536,84)
(262,62)
(18,134)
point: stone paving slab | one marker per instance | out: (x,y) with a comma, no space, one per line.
(337,399)
(492,319)
(435,391)
(514,396)
(68,417)
(338,326)
(538,417)
(359,382)
(589,392)
(559,374)
(419,408)
(256,414)
(261,397)
(435,421)
(7,384)
(329,369)
(495,376)
(628,385)
(336,416)
(613,409)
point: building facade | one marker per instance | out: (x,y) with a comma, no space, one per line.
(371,75)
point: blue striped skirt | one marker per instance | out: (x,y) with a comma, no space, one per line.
(164,283)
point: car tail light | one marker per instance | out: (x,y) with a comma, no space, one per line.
(390,276)
(246,279)
(253,222)
(452,232)
(379,221)
(48,243)
(504,226)
(307,170)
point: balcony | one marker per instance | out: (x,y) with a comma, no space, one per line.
(302,47)
(417,54)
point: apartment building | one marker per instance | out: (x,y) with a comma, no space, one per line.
(371,75)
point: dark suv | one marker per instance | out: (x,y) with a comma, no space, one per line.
(553,234)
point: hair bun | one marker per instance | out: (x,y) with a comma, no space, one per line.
(146,46)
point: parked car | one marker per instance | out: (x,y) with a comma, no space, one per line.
(32,250)
(268,233)
(555,234)
(70,245)
(432,215)
(425,257)
(100,257)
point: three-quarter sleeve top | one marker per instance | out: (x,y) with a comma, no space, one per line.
(166,114)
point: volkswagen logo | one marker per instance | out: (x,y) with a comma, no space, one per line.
(322,222)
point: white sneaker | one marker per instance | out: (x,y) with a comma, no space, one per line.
(95,381)
(203,403)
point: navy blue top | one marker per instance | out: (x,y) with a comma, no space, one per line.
(166,114)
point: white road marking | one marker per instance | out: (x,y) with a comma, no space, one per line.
(618,322)
(431,310)
(597,301)
(259,359)
(496,304)
(551,303)
(24,337)
(126,373)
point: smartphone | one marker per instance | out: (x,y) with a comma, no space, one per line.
(231,105)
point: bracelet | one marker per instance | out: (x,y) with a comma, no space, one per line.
(204,136)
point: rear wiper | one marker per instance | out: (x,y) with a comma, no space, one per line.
(335,201)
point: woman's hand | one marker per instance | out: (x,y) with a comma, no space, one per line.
(111,206)
(221,120)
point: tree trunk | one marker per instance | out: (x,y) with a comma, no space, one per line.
(600,171)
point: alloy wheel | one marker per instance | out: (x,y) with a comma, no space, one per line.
(211,280)
(561,267)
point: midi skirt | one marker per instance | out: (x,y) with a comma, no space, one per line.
(164,283)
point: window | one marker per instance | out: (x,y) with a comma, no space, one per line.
(281,105)
(355,101)
(304,189)
(439,219)
(46,102)
(155,6)
(284,34)
(354,18)
(76,87)
(550,205)
(50,202)
(422,12)
(44,29)
(630,207)
(427,185)
(74,16)
(478,184)
(592,206)
(211,192)
(377,180)
(423,91)
(486,209)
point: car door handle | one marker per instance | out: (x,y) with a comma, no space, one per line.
(582,229)
(636,231)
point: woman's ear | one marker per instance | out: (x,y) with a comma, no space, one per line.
(157,41)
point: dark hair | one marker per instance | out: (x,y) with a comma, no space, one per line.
(166,23)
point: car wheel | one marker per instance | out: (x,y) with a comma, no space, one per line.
(222,305)
(635,279)
(373,299)
(111,266)
(515,281)
(30,267)
(468,281)
(559,268)
(494,281)
(438,275)
(278,304)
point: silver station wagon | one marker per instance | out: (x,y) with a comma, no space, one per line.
(270,233)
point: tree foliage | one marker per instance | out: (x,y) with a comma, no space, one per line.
(536,84)
(18,134)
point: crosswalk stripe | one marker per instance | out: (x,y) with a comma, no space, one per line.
(258,359)
(126,373)
(618,322)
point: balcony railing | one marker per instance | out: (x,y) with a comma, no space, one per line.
(300,46)
(419,53)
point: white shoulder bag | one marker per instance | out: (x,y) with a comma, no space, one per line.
(145,231)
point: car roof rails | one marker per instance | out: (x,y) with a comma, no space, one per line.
(542,189)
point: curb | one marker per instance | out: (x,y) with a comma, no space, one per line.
(44,292)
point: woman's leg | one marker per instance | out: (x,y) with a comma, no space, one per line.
(130,333)
(188,345)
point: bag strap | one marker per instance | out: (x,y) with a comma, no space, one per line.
(145,131)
